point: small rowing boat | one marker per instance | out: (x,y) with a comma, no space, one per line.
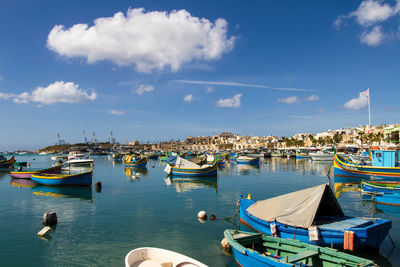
(148,257)
(81,179)
(248,160)
(135,161)
(186,168)
(26,173)
(252,249)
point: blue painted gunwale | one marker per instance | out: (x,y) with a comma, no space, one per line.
(369,236)
(81,179)
(345,168)
(208,171)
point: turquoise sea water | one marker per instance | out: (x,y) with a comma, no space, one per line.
(100,228)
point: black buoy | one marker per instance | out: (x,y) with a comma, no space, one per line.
(50,218)
(98,186)
(212,217)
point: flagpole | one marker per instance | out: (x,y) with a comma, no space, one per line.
(369,108)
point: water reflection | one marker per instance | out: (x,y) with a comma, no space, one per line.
(188,184)
(84,193)
(132,173)
(339,188)
(245,169)
(22,183)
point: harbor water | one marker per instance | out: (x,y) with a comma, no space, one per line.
(100,228)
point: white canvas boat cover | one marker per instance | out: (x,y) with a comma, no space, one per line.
(298,209)
(186,164)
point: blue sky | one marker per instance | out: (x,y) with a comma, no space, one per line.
(160,70)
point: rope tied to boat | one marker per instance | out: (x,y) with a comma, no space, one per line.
(234,214)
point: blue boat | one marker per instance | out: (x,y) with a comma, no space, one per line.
(258,250)
(79,179)
(186,168)
(384,167)
(248,160)
(314,216)
(135,161)
(383,187)
(6,163)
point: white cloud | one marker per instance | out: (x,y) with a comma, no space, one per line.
(210,89)
(116,112)
(374,37)
(289,100)
(233,102)
(152,40)
(57,92)
(372,11)
(188,98)
(356,103)
(313,98)
(243,85)
(144,88)
(1,77)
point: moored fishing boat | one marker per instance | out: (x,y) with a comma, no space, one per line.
(321,156)
(149,256)
(26,173)
(81,179)
(314,216)
(186,168)
(21,163)
(252,249)
(248,160)
(135,161)
(6,163)
(384,167)
(380,187)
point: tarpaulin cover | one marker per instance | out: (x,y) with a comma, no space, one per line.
(185,164)
(298,209)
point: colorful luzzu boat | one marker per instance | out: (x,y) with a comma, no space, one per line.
(135,161)
(248,160)
(313,216)
(383,192)
(6,163)
(80,179)
(384,167)
(186,168)
(26,174)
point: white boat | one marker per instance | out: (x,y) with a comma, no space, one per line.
(322,156)
(152,257)
(82,161)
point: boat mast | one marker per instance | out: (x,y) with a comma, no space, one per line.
(369,109)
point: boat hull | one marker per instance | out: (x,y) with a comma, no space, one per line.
(140,163)
(255,161)
(9,163)
(81,179)
(210,171)
(343,168)
(370,236)
(27,174)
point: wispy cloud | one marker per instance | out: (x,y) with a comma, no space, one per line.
(210,89)
(143,88)
(356,103)
(236,84)
(233,102)
(188,98)
(116,112)
(313,98)
(289,100)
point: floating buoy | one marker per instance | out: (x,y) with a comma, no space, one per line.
(212,217)
(50,218)
(225,244)
(45,231)
(249,196)
(202,214)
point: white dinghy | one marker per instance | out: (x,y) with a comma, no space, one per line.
(157,257)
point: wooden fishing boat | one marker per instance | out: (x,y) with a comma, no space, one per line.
(384,167)
(252,249)
(380,187)
(248,160)
(314,216)
(135,161)
(6,163)
(26,173)
(148,256)
(322,156)
(81,179)
(186,168)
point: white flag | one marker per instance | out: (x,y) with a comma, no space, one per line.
(365,93)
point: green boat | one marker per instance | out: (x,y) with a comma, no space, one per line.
(256,249)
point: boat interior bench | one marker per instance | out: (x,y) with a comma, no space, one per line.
(302,256)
